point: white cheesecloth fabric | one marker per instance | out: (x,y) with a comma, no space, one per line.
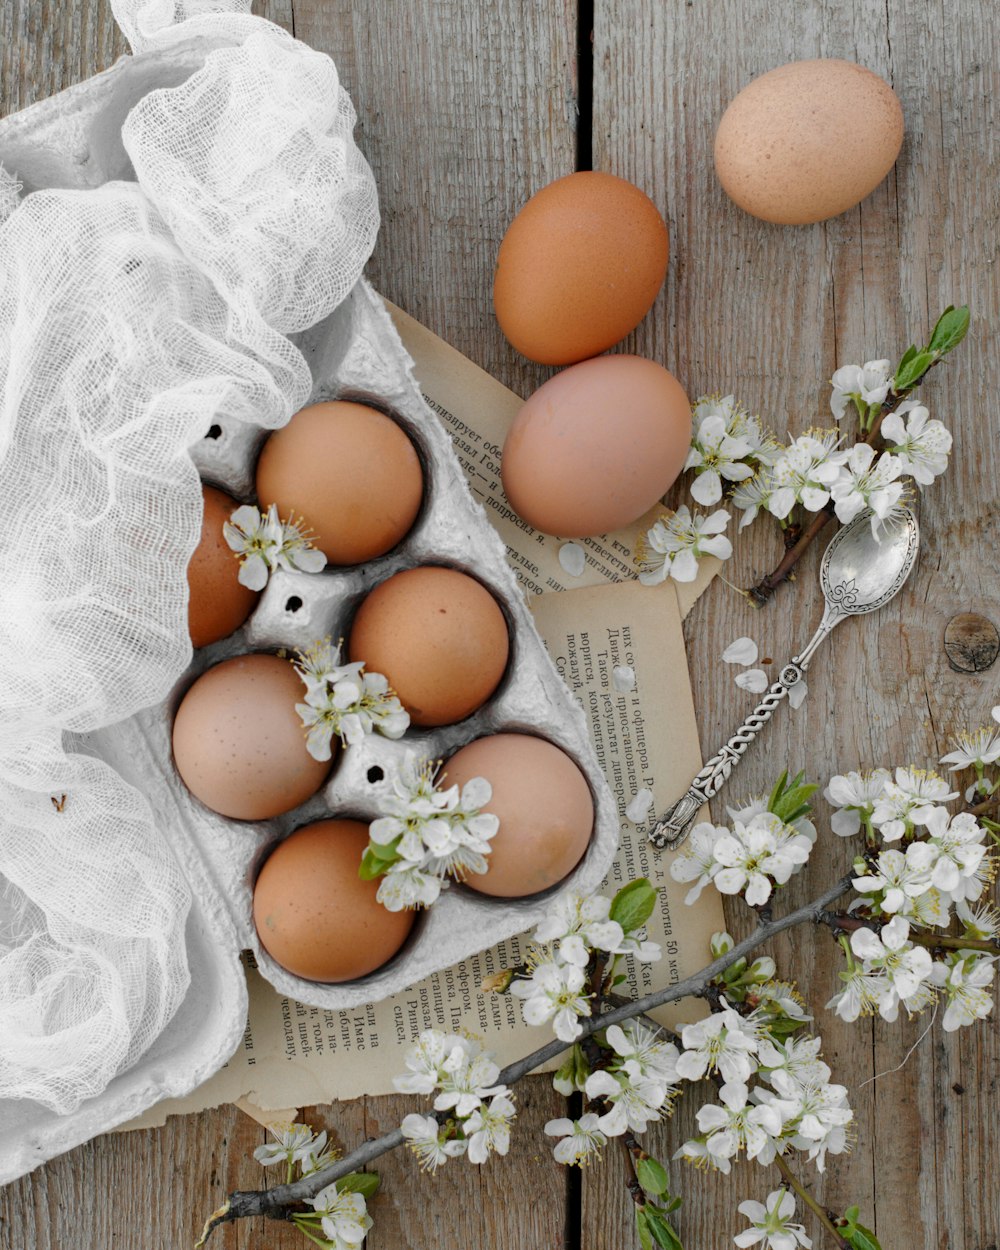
(132,317)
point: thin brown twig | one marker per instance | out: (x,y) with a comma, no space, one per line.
(276,1203)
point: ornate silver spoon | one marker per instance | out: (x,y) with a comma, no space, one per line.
(859,574)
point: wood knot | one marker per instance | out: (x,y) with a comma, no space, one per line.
(971,643)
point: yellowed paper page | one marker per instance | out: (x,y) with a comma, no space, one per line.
(295,1055)
(477,411)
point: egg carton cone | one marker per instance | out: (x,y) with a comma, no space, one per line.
(74,140)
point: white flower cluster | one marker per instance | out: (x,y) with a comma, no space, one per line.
(726,442)
(575,927)
(635,1087)
(343,699)
(924,868)
(759,852)
(794,1105)
(426,835)
(675,543)
(476,1113)
(265,543)
(340,1219)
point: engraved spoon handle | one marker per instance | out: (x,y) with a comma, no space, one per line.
(673,828)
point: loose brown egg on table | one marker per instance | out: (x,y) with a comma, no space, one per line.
(579,267)
(314,914)
(439,637)
(808,140)
(239,744)
(350,472)
(218,603)
(596,446)
(544,805)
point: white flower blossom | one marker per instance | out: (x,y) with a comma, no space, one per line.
(405,886)
(855,794)
(798,1057)
(345,1215)
(293,1143)
(963,979)
(429,1141)
(343,699)
(739,1125)
(771,1224)
(860,996)
(865,482)
(634,1101)
(265,543)
(723,1042)
(822,1116)
(976,750)
(426,1060)
(696,1152)
(866,384)
(981,923)
(921,445)
(580,923)
(676,542)
(696,859)
(581,1139)
(898,877)
(554,991)
(715,454)
(805,472)
(904,967)
(907,800)
(755,493)
(958,841)
(757,805)
(757,855)
(643,1055)
(488,1128)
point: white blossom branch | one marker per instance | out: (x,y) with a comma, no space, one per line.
(279,1202)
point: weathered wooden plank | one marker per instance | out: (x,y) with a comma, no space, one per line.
(769,312)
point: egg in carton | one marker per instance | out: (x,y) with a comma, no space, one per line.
(73,140)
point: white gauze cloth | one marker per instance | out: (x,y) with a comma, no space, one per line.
(133,317)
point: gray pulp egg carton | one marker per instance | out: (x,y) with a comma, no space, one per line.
(73,140)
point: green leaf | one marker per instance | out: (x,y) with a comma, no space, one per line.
(619,979)
(376,860)
(951,328)
(364,1183)
(662,1229)
(862,1239)
(642,1228)
(908,355)
(652,1176)
(633,905)
(908,375)
(793,800)
(778,791)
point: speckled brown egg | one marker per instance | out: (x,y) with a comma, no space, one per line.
(315,916)
(352,475)
(439,637)
(596,446)
(808,140)
(544,805)
(218,603)
(579,267)
(239,744)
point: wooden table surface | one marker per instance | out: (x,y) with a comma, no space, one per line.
(465,108)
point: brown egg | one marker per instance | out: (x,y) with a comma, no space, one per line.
(544,805)
(579,267)
(808,140)
(218,604)
(314,914)
(239,744)
(596,446)
(439,637)
(350,473)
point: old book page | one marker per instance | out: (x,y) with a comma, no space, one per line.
(294,1055)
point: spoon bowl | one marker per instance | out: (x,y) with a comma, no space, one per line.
(862,569)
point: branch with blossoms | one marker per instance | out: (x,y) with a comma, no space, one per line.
(920,930)
(816,476)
